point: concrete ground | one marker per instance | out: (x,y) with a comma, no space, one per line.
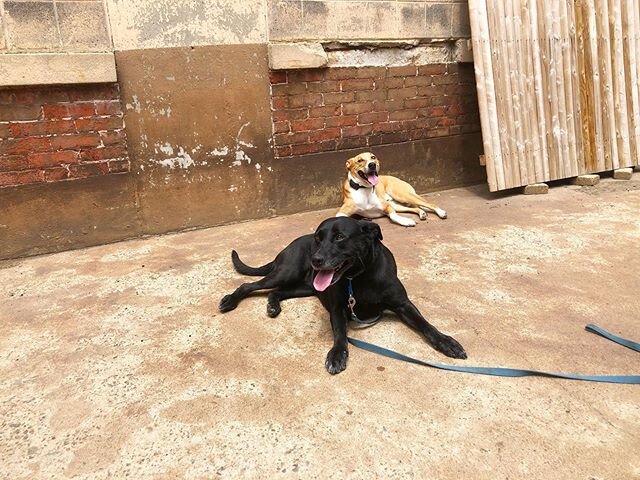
(114,361)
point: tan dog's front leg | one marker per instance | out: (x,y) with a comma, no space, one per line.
(346,210)
(395,218)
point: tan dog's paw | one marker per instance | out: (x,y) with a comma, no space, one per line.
(441,213)
(422,215)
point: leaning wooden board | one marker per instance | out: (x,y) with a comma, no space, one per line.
(558,87)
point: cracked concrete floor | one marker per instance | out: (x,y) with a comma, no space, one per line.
(114,361)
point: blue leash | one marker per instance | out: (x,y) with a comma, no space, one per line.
(514,372)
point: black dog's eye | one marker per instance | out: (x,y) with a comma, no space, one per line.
(338,237)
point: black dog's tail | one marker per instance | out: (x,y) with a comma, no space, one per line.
(245,269)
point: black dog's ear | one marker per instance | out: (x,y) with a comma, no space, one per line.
(371,228)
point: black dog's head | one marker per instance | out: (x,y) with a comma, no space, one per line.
(342,245)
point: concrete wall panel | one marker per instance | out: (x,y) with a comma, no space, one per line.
(138,24)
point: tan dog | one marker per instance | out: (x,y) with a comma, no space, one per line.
(369,195)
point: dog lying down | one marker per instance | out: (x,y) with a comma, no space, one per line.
(367,194)
(319,264)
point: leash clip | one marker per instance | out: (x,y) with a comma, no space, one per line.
(351,303)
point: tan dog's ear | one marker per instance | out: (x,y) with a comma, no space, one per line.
(348,164)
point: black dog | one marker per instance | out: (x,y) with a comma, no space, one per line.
(320,264)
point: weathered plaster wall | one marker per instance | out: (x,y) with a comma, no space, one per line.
(361,20)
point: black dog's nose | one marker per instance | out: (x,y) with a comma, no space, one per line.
(372,166)
(317,261)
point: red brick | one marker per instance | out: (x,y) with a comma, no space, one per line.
(421,81)
(55,174)
(281,127)
(283,151)
(103,153)
(403,115)
(306,100)
(10,113)
(394,82)
(298,114)
(367,96)
(68,110)
(24,145)
(433,112)
(434,69)
(71,142)
(387,127)
(416,102)
(21,178)
(455,109)
(326,86)
(10,163)
(387,106)
(357,84)
(408,71)
(308,124)
(95,124)
(309,75)
(370,72)
(339,97)
(355,108)
(103,91)
(351,142)
(288,89)
(38,128)
(429,91)
(278,103)
(340,73)
(342,121)
(444,100)
(119,166)
(305,148)
(376,117)
(50,159)
(402,93)
(444,79)
(278,76)
(329,111)
(468,118)
(324,135)
(83,170)
(112,137)
(108,107)
(18,96)
(327,146)
(357,131)
(290,138)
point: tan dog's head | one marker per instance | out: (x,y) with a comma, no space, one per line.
(364,167)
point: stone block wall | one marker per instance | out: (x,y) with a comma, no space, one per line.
(52,134)
(321,110)
(54,26)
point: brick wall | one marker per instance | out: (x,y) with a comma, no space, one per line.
(51,134)
(341,108)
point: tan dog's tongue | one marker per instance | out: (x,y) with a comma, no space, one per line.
(322,280)
(372,179)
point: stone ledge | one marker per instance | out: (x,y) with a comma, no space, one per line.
(18,69)
(284,56)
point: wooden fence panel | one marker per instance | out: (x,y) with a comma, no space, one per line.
(558,87)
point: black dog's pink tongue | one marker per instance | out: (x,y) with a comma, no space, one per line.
(372,178)
(322,280)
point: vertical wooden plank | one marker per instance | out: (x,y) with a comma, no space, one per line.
(532,121)
(484,85)
(574,94)
(571,166)
(585,87)
(629,31)
(598,107)
(606,78)
(500,70)
(636,16)
(619,90)
(517,90)
(539,89)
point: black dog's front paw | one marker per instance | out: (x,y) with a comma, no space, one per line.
(336,360)
(273,309)
(450,347)
(227,303)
